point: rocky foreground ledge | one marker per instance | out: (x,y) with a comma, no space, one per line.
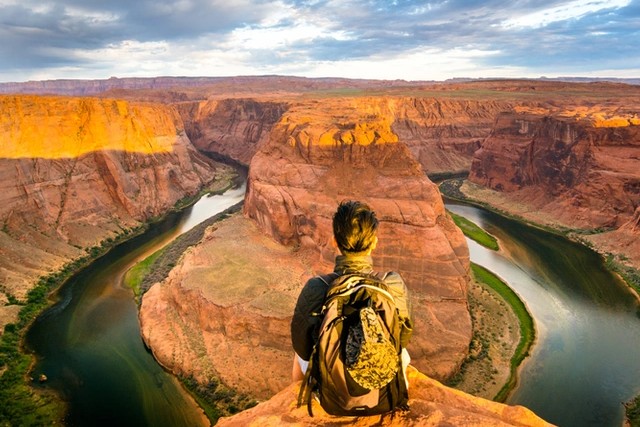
(431,404)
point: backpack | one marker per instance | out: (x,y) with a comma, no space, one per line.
(355,367)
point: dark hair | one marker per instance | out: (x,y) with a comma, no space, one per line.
(354,227)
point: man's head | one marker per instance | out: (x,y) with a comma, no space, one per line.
(354,228)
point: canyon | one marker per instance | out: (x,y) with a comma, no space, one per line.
(574,169)
(75,172)
(81,170)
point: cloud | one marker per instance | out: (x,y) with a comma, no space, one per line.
(572,10)
(406,38)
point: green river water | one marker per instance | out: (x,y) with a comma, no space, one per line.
(585,363)
(586,360)
(89,344)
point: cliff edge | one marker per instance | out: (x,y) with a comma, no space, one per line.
(430,404)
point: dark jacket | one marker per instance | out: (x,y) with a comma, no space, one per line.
(306,316)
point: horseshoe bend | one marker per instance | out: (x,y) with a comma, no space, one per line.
(78,170)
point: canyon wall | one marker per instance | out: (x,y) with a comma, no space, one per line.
(443,134)
(322,153)
(234,128)
(75,171)
(573,169)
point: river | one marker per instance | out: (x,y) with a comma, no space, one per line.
(89,345)
(586,360)
(585,363)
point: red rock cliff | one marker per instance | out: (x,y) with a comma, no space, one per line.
(320,154)
(74,171)
(577,169)
(235,128)
(583,172)
(444,133)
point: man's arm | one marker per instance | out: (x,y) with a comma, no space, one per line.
(306,317)
(403,302)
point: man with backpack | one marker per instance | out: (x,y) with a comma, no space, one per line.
(350,328)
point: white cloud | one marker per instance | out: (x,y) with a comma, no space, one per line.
(282,28)
(572,10)
(420,64)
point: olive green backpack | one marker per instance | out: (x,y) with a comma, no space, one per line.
(355,368)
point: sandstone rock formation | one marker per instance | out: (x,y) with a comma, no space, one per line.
(576,169)
(224,310)
(431,404)
(231,127)
(74,171)
(443,134)
(320,154)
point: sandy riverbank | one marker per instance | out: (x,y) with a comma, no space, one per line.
(496,333)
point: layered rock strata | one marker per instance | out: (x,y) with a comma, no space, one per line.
(75,171)
(430,404)
(443,134)
(319,155)
(566,169)
(235,128)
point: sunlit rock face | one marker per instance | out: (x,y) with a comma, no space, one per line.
(235,128)
(74,171)
(430,404)
(322,153)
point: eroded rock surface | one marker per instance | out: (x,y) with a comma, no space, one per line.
(74,171)
(320,154)
(443,134)
(235,128)
(574,169)
(431,404)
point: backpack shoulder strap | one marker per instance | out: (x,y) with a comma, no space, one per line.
(329,278)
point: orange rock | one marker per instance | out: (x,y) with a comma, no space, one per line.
(350,151)
(56,127)
(430,404)
(578,174)
(75,171)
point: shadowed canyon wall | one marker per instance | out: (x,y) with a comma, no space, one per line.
(235,128)
(74,171)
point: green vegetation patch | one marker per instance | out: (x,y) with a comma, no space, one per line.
(527,327)
(216,399)
(134,277)
(633,412)
(629,274)
(19,403)
(472,231)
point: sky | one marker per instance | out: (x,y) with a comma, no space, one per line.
(373,39)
